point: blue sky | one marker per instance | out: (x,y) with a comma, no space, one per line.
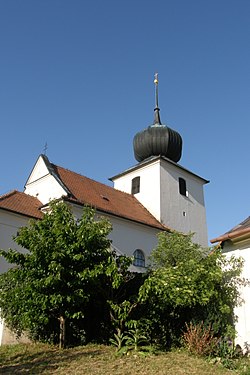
(79,75)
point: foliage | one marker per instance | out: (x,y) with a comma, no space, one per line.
(199,339)
(175,248)
(129,333)
(136,337)
(70,274)
(188,283)
(132,339)
(118,340)
(226,353)
(67,260)
(121,313)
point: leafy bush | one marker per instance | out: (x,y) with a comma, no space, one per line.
(188,283)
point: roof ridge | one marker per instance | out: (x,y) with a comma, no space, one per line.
(238,226)
(15,191)
(9,194)
(81,175)
(21,203)
(245,221)
(98,182)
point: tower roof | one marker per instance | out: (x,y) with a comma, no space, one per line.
(157,139)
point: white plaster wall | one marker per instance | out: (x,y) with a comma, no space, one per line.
(149,186)
(42,184)
(127,236)
(242,249)
(1,329)
(183,213)
(39,170)
(159,193)
(45,189)
(9,225)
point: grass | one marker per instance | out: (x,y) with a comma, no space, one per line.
(100,360)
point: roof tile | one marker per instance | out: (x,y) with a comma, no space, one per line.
(105,198)
(21,203)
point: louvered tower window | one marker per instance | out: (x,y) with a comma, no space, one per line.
(182,187)
(135,187)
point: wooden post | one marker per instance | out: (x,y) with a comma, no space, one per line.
(62,332)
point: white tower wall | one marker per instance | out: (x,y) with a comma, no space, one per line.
(150,184)
(160,194)
(184,213)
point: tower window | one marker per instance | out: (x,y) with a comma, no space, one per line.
(182,187)
(135,188)
(139,258)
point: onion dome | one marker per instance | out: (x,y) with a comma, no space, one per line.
(157,139)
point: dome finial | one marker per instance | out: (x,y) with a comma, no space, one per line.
(157,139)
(157,120)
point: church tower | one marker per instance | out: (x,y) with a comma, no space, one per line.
(173,194)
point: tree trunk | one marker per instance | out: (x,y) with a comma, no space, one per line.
(62,332)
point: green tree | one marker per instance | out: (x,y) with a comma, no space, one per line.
(188,283)
(66,258)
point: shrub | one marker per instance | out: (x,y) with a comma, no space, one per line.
(200,339)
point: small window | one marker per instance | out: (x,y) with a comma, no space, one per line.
(135,188)
(182,187)
(139,258)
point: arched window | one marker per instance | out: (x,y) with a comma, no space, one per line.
(182,187)
(139,258)
(135,188)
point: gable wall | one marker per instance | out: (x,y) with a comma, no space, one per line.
(45,189)
(39,170)
(42,184)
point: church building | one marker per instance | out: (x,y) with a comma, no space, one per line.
(156,194)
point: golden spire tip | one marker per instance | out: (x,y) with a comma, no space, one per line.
(156,79)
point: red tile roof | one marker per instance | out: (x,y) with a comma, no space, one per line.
(82,190)
(239,230)
(105,198)
(21,203)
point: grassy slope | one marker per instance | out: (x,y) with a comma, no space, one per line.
(96,360)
